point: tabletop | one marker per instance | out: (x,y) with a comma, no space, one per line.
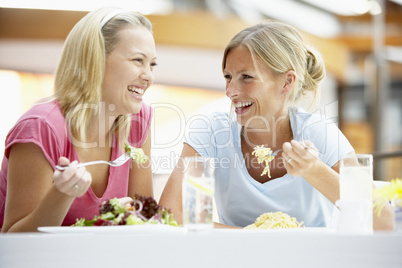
(214,248)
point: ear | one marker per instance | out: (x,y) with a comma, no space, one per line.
(290,79)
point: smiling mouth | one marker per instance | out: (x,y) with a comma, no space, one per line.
(242,105)
(136,91)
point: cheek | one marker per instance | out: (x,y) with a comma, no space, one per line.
(264,99)
(119,70)
(111,72)
(151,78)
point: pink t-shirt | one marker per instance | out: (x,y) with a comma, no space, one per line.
(45,126)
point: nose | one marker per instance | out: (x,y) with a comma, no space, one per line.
(232,91)
(147,75)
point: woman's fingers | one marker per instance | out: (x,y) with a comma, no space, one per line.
(290,152)
(73,181)
(289,162)
(75,178)
(298,150)
(83,184)
(60,178)
(311,148)
(299,157)
(287,148)
(63,161)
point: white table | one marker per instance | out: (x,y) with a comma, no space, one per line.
(217,248)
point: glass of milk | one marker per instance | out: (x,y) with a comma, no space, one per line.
(356,189)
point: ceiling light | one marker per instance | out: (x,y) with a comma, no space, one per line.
(342,7)
(397,1)
(375,8)
(305,18)
(142,6)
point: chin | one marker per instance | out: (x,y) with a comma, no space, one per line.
(241,120)
(135,109)
(130,111)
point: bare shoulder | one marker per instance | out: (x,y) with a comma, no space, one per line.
(27,155)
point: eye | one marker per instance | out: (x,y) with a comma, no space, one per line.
(138,60)
(246,76)
(227,77)
(152,65)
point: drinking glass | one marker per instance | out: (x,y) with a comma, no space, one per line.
(356,189)
(397,204)
(198,191)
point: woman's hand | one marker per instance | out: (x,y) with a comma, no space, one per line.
(72,181)
(299,159)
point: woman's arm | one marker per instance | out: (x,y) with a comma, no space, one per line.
(33,198)
(171,197)
(305,163)
(140,176)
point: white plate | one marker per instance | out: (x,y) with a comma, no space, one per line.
(137,229)
(298,230)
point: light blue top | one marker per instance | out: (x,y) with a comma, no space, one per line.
(239,198)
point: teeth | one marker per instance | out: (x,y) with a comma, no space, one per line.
(139,91)
(243,104)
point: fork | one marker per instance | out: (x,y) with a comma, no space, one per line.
(115,163)
(279,150)
(276,152)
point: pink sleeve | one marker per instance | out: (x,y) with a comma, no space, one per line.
(140,124)
(37,131)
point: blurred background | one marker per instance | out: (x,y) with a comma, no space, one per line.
(360,40)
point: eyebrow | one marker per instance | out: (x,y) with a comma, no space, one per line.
(242,70)
(144,55)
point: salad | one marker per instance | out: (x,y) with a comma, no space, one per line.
(141,210)
(137,154)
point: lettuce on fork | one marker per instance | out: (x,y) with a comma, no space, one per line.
(137,154)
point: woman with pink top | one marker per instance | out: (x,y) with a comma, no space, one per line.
(105,68)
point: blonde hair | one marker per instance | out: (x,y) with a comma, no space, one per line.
(282,48)
(80,72)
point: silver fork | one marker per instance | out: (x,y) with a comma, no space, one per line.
(276,152)
(115,163)
(280,150)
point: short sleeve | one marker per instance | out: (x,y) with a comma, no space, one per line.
(327,137)
(140,124)
(208,133)
(39,132)
(337,145)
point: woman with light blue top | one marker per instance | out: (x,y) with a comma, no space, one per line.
(268,68)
